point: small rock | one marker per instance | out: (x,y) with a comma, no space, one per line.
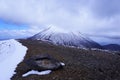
(43,62)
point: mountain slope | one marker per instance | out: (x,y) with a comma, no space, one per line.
(113,47)
(80,64)
(66,39)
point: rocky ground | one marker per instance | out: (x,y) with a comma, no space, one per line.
(79,64)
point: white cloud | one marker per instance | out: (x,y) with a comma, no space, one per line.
(42,12)
(88,16)
(7,34)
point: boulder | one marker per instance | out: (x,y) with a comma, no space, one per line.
(43,62)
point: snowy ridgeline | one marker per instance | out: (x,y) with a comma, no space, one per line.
(11,54)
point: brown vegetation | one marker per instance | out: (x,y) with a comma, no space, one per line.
(79,64)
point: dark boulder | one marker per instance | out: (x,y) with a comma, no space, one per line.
(43,62)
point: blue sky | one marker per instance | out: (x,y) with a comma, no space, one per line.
(9,26)
(96,18)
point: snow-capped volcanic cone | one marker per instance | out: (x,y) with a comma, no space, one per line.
(65,38)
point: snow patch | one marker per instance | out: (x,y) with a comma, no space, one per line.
(36,72)
(11,54)
(63,64)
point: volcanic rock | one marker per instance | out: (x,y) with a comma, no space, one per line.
(43,62)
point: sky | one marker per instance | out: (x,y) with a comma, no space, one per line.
(99,19)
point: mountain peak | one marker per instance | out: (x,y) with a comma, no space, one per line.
(76,39)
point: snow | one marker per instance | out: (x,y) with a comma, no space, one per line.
(64,38)
(36,72)
(40,73)
(63,64)
(11,54)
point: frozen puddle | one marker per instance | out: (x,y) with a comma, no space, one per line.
(11,54)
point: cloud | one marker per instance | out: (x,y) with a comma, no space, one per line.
(94,17)
(8,34)
(106,8)
(42,12)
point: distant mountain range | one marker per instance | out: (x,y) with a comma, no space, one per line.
(71,39)
(113,47)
